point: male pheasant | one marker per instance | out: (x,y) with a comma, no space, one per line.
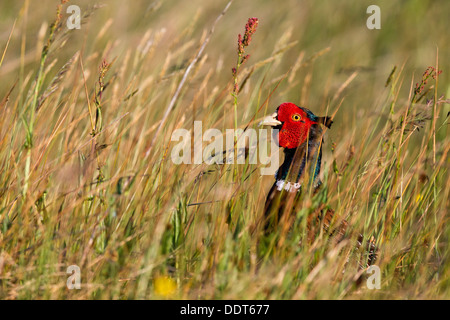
(301,135)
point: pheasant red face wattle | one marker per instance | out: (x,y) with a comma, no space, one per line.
(294,123)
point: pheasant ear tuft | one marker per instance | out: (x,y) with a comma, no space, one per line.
(326,121)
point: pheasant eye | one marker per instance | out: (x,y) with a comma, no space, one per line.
(296,117)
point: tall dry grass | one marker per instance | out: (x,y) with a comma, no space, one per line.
(86,174)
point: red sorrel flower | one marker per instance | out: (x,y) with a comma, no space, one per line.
(250,29)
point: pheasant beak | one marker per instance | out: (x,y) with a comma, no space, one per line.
(270,121)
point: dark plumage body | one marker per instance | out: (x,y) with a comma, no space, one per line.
(301,166)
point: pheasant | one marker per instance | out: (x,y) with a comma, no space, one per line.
(301,135)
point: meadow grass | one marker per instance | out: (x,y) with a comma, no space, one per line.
(87,179)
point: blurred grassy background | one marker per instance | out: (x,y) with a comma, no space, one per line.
(134,224)
(410,34)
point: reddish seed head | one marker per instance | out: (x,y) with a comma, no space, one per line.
(250,29)
(429,72)
(245,58)
(240,44)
